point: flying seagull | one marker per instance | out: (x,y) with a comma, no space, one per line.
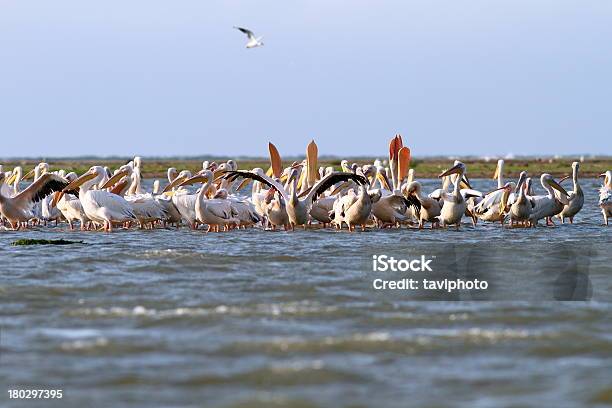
(253,41)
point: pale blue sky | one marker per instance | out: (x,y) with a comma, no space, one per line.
(173,77)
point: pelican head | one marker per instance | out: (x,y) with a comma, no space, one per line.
(412,188)
(521,180)
(15,177)
(548,180)
(172,173)
(458,168)
(87,180)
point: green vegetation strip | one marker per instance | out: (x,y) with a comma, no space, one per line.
(21,242)
(423,167)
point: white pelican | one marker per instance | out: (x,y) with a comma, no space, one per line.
(212,212)
(455,205)
(549,205)
(253,41)
(100,206)
(16,209)
(576,197)
(427,209)
(492,206)
(605,196)
(183,200)
(13,179)
(521,206)
(71,208)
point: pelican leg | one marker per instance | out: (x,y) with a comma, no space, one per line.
(571,220)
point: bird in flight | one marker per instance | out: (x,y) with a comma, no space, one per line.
(253,41)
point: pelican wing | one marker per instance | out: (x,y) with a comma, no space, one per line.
(270,182)
(38,190)
(489,201)
(605,196)
(114,203)
(468,192)
(415,204)
(219,208)
(248,32)
(331,179)
(437,194)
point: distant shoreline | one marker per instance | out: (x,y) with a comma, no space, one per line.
(423,167)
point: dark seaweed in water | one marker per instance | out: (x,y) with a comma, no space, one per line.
(21,242)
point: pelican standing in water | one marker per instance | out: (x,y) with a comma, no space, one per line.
(605,196)
(520,208)
(100,206)
(576,197)
(549,205)
(71,208)
(455,205)
(213,212)
(16,209)
(492,207)
(427,208)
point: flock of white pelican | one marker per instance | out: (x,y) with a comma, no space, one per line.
(378,194)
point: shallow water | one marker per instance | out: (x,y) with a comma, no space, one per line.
(253,318)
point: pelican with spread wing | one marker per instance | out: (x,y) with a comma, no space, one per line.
(17,209)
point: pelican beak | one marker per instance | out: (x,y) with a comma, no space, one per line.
(198,178)
(496,173)
(504,200)
(453,170)
(11,179)
(56,197)
(558,187)
(563,179)
(243,184)
(383,180)
(305,192)
(79,181)
(174,183)
(113,180)
(301,180)
(339,188)
(465,183)
(73,186)
(29,174)
(497,189)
